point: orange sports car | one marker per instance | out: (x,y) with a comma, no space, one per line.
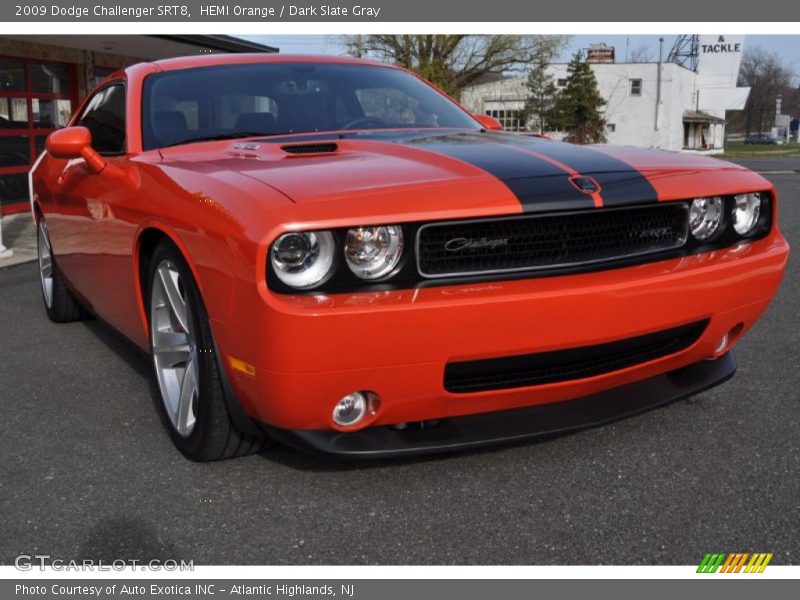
(333,254)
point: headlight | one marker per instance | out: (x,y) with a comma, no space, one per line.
(705,216)
(746,210)
(373,252)
(303,259)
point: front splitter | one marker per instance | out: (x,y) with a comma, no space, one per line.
(506,426)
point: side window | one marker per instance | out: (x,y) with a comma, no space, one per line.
(104,116)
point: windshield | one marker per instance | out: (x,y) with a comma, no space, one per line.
(283,98)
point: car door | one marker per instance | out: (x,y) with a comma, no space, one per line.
(91,239)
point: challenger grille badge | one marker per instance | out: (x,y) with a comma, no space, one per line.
(457,244)
(585,184)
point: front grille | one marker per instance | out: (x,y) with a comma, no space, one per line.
(535,242)
(567,365)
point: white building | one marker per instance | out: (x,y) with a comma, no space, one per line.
(655,105)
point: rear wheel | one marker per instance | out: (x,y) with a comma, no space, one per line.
(192,395)
(60,304)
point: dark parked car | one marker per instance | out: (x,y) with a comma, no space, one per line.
(763,138)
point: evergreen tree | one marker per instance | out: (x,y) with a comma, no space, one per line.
(577,107)
(539,104)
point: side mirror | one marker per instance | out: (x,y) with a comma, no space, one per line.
(75,142)
(489,123)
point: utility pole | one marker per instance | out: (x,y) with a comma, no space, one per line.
(778,102)
(658,78)
(359,46)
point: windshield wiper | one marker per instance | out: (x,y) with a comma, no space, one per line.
(221,136)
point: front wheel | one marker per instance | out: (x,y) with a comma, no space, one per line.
(192,395)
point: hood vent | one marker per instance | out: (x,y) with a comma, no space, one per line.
(316,148)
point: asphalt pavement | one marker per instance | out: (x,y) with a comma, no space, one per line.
(87,470)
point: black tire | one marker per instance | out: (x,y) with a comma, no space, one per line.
(62,306)
(214,435)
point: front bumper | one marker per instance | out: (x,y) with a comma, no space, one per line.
(306,352)
(475,431)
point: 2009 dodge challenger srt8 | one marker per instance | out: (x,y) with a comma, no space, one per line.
(333,254)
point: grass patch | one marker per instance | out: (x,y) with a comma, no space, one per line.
(740,149)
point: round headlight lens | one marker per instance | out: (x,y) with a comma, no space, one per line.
(303,259)
(746,210)
(705,216)
(373,252)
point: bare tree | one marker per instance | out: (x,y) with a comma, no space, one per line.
(455,61)
(767,76)
(641,54)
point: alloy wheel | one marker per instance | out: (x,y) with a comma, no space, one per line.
(174,347)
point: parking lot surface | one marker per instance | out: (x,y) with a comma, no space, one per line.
(88,471)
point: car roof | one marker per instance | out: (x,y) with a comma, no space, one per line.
(206,60)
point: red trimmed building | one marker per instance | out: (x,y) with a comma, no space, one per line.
(44,78)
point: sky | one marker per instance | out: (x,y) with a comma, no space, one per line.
(787,46)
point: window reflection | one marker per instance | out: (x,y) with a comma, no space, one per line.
(13,188)
(13,113)
(511,120)
(50,78)
(40,141)
(12,75)
(50,114)
(14,151)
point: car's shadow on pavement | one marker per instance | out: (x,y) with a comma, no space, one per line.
(133,538)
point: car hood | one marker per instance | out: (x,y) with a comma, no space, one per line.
(537,173)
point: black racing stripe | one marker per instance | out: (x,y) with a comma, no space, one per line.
(538,184)
(554,192)
(619,188)
(621,184)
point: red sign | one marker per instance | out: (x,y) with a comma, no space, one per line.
(600,55)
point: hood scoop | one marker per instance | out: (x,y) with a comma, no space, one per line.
(311,148)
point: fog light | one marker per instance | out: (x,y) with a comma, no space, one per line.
(352,409)
(723,343)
